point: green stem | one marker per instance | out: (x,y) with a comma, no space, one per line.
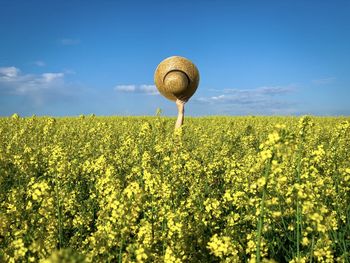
(120,258)
(298,218)
(163,242)
(312,249)
(298,210)
(59,215)
(260,226)
(261,215)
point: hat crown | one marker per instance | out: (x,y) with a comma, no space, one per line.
(176,78)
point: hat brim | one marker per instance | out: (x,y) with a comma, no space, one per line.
(177,63)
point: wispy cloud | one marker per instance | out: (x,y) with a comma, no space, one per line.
(149,89)
(39,63)
(8,73)
(139,89)
(36,87)
(14,82)
(248,96)
(69,72)
(69,41)
(125,88)
(261,100)
(323,81)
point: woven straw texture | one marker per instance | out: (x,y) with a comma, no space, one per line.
(176,78)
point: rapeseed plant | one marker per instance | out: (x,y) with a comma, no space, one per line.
(129,189)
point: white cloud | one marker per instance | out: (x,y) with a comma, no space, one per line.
(51,77)
(39,63)
(261,100)
(149,89)
(125,88)
(264,90)
(69,41)
(7,73)
(323,81)
(140,89)
(69,72)
(36,87)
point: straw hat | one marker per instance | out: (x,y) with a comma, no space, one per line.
(176,78)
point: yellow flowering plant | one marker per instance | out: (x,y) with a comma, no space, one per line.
(129,189)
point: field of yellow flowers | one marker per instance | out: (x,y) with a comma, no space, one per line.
(129,189)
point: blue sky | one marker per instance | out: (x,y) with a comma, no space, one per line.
(255,57)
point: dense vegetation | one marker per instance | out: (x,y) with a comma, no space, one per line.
(129,189)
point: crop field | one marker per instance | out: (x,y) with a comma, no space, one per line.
(220,189)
